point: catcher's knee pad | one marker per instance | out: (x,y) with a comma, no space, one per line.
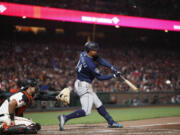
(21,129)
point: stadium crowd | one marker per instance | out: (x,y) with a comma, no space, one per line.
(54,66)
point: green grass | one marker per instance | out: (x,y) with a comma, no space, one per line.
(121,114)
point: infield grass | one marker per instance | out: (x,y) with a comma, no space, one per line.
(119,114)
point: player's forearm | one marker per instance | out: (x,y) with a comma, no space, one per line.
(12,106)
(104,77)
(104,62)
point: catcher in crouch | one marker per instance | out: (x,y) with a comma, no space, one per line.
(11,110)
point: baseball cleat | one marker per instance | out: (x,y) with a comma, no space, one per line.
(115,125)
(61,122)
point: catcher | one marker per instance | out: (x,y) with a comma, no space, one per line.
(11,110)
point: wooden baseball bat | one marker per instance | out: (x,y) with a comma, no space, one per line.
(132,86)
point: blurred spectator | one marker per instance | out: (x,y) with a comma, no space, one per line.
(54,65)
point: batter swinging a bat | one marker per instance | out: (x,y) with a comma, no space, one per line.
(86,72)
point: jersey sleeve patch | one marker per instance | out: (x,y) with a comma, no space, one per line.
(97,71)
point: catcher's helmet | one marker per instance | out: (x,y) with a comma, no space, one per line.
(91,45)
(27,83)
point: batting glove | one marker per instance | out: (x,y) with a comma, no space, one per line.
(117,74)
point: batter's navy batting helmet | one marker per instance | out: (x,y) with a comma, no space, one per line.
(27,83)
(91,45)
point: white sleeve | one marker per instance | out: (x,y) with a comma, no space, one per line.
(19,99)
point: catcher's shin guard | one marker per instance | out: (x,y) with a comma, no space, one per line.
(21,129)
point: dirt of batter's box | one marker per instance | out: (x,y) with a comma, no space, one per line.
(175,126)
(160,126)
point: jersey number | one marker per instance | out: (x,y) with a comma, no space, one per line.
(79,67)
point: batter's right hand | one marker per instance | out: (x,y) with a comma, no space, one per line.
(117,74)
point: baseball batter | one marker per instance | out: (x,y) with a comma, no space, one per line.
(86,72)
(11,111)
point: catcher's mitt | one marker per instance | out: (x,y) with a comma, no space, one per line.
(64,95)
